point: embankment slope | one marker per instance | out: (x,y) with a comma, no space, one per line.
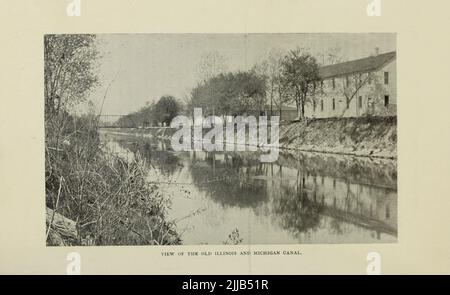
(365,136)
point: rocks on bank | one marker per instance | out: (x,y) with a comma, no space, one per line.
(364,136)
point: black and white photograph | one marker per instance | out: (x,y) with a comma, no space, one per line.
(220,139)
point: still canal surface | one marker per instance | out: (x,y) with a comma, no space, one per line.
(301,198)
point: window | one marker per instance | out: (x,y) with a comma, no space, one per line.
(321,105)
(369,104)
(386,100)
(334,83)
(348,102)
(347,81)
(369,78)
(334,104)
(360,102)
(386,78)
(314,105)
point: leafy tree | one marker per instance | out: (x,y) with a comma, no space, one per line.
(276,89)
(300,72)
(230,94)
(165,109)
(68,70)
(69,76)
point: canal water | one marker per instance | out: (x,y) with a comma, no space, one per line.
(301,198)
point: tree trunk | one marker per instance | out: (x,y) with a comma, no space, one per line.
(303,109)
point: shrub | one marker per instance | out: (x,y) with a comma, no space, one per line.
(107,196)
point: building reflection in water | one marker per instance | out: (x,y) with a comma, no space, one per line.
(302,194)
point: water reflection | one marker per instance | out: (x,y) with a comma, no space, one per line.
(301,198)
(227,179)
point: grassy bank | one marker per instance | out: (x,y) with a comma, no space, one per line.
(107,197)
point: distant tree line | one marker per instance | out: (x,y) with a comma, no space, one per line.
(230,94)
(92,195)
(153,114)
(283,78)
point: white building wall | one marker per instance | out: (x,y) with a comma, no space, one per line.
(369,99)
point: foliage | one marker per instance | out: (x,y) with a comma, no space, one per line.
(69,70)
(142,117)
(300,73)
(230,94)
(107,197)
(166,109)
(153,113)
(234,238)
(277,92)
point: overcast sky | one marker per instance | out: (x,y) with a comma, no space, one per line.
(147,66)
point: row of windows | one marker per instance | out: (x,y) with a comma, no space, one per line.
(369,80)
(360,103)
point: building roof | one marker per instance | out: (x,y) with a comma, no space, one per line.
(363,65)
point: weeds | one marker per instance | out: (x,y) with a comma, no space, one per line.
(107,196)
(233,238)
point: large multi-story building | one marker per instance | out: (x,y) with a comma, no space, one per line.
(366,86)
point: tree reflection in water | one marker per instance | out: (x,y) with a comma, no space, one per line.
(228,182)
(300,194)
(157,155)
(295,211)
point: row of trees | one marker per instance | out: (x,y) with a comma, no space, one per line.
(92,197)
(69,73)
(280,79)
(153,114)
(229,94)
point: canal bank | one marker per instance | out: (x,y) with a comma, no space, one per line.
(301,198)
(374,137)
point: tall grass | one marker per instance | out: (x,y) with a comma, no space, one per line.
(108,197)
